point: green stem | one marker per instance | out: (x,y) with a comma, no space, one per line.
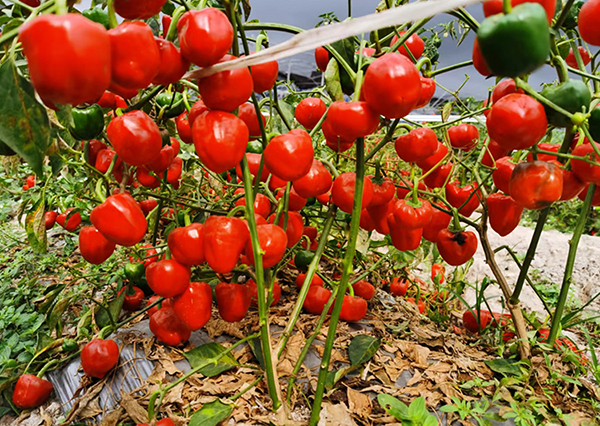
(449,68)
(522,84)
(173,27)
(388,137)
(341,290)
(563,14)
(263,309)
(312,269)
(568,276)
(145,99)
(112,17)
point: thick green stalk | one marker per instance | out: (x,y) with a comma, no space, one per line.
(341,290)
(263,309)
(568,276)
(312,269)
(388,137)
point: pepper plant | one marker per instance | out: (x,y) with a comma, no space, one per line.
(187,159)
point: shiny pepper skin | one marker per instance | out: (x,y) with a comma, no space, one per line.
(342,191)
(352,120)
(73,221)
(167,277)
(254,292)
(294,228)
(247,113)
(132,9)
(187,244)
(464,136)
(184,130)
(427,91)
(501,176)
(61,68)
(226,90)
(439,221)
(194,305)
(273,242)
(50,219)
(383,190)
(417,145)
(93,246)
(264,75)
(414,44)
(392,85)
(399,286)
(172,65)
(205,36)
(353,308)
(309,111)
(220,139)
(31,391)
(316,299)
(585,171)
(233,301)
(517,121)
(536,184)
(135,138)
(463,198)
(316,182)
(120,219)
(163,422)
(404,239)
(132,302)
(316,280)
(588,22)
(504,213)
(224,240)
(290,156)
(456,248)
(135,55)
(364,289)
(168,328)
(98,357)
(409,216)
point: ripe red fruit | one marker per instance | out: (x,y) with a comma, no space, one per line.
(427,92)
(187,244)
(220,139)
(404,239)
(309,111)
(93,246)
(399,286)
(168,278)
(536,184)
(588,22)
(464,136)
(585,171)
(132,302)
(317,181)
(264,75)
(172,65)
(131,9)
(392,86)
(504,213)
(504,88)
(439,220)
(364,289)
(342,191)
(417,145)
(168,328)
(120,219)
(517,121)
(61,68)
(135,58)
(224,240)
(226,90)
(290,156)
(316,280)
(194,305)
(321,58)
(73,221)
(353,308)
(478,61)
(50,219)
(414,44)
(31,391)
(316,299)
(352,120)
(273,242)
(98,357)
(572,61)
(233,301)
(205,36)
(135,138)
(247,113)
(464,198)
(456,248)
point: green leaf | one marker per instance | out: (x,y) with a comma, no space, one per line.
(417,407)
(104,315)
(393,406)
(509,367)
(24,124)
(207,351)
(332,81)
(431,420)
(449,409)
(211,414)
(35,226)
(362,348)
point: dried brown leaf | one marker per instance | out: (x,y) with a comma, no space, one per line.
(134,410)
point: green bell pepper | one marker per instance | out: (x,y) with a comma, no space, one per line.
(571,95)
(87,122)
(172,102)
(516,43)
(594,123)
